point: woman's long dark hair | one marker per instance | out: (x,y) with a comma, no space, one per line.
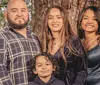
(66,33)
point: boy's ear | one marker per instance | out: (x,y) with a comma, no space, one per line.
(54,68)
(34,71)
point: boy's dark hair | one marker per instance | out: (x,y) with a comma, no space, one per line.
(47,57)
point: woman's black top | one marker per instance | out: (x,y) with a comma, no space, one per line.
(75,72)
(93,66)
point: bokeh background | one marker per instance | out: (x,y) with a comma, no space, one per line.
(38,8)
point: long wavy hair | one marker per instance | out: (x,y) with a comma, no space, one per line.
(66,33)
(96,12)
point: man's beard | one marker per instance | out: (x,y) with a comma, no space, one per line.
(15,25)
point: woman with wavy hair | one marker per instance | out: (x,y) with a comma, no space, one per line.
(59,40)
(89,23)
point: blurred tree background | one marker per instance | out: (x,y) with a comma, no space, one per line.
(38,9)
(3,5)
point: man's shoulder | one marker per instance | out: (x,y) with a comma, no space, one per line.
(4,30)
(34,36)
(31,31)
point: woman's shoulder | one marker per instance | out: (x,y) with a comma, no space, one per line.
(75,40)
(98,39)
(78,45)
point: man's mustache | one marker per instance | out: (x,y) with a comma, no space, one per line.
(19,17)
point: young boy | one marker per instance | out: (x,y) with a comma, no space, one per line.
(43,66)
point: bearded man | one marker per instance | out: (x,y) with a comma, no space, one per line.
(18,45)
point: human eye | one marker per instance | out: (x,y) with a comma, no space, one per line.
(39,65)
(50,17)
(85,18)
(59,17)
(95,19)
(23,10)
(48,63)
(14,10)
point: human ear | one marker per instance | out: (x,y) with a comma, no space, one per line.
(54,68)
(34,71)
(5,14)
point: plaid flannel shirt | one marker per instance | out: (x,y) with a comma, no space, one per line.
(16,51)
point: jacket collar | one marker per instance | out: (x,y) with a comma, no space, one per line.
(39,81)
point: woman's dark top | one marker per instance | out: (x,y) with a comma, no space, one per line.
(52,81)
(93,66)
(75,72)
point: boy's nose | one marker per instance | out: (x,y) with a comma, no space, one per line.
(43,66)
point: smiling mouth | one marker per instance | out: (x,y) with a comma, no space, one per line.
(89,25)
(55,25)
(44,71)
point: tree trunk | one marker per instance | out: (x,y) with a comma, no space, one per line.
(74,7)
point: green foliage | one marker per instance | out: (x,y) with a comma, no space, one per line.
(3,4)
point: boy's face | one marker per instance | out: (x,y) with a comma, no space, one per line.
(43,67)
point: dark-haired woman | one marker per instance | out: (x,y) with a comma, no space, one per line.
(89,21)
(65,46)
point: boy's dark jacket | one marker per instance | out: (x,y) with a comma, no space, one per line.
(52,81)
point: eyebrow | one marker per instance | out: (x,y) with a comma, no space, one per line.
(84,15)
(17,8)
(87,16)
(13,8)
(56,15)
